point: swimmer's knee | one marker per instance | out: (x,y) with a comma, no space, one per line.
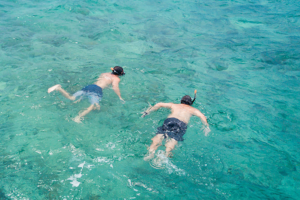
(156,142)
(171,145)
(168,149)
(158,138)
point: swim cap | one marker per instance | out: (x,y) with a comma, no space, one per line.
(117,70)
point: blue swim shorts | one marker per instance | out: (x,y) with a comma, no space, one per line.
(173,128)
(93,92)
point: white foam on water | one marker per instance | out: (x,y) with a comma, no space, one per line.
(74,177)
(111,145)
(90,166)
(161,162)
(133,184)
(74,182)
(81,165)
(102,160)
(143,185)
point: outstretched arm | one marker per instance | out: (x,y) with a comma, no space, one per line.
(115,85)
(206,129)
(156,107)
(201,116)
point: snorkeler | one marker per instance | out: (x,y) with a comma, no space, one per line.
(175,125)
(94,92)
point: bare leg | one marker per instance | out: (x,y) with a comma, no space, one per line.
(62,91)
(78,100)
(84,113)
(157,140)
(170,145)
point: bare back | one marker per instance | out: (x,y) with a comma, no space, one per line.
(182,112)
(106,79)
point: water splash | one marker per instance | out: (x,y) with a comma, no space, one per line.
(162,162)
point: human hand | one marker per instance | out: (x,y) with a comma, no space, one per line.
(145,113)
(206,130)
(77,101)
(122,100)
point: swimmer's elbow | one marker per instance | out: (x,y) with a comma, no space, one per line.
(202,117)
(159,104)
(204,120)
(115,87)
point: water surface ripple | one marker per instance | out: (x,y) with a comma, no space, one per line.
(242,56)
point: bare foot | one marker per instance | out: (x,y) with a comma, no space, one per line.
(77,119)
(149,156)
(169,154)
(55,87)
(77,100)
(97,107)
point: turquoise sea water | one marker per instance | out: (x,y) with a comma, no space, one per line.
(241,56)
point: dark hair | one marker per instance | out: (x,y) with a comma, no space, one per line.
(117,70)
(186,100)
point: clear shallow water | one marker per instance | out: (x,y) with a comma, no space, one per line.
(241,56)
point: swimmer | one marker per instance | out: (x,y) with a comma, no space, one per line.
(175,125)
(94,92)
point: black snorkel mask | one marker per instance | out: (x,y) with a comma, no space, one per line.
(188,100)
(115,72)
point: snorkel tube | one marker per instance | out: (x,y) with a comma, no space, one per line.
(195,92)
(113,71)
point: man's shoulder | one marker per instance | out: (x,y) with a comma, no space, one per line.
(179,106)
(166,105)
(116,77)
(184,106)
(102,74)
(106,73)
(171,104)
